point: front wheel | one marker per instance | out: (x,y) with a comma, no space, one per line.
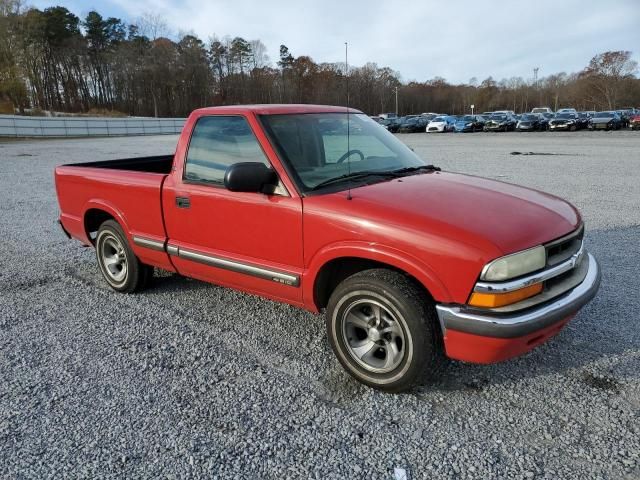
(384,330)
(119,266)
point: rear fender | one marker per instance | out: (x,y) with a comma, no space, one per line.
(108,207)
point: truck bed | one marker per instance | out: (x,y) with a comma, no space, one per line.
(128,189)
(155,164)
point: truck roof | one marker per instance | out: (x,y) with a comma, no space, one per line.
(274,109)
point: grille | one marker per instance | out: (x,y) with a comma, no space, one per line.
(561,249)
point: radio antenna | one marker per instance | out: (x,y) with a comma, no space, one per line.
(346,69)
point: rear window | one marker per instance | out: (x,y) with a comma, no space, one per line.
(218,142)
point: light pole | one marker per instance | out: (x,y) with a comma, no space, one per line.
(396,101)
(535,82)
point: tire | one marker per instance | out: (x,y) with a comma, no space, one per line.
(384,330)
(118,264)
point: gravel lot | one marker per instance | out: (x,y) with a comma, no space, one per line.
(192,380)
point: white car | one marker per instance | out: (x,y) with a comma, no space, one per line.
(567,110)
(440,125)
(542,110)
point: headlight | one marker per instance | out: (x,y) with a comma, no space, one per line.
(469,124)
(511,266)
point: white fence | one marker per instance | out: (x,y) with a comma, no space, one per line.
(17,126)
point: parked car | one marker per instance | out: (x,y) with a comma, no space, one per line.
(441,124)
(388,115)
(567,110)
(500,122)
(634,121)
(469,123)
(505,112)
(530,122)
(542,110)
(583,120)
(402,286)
(385,122)
(413,125)
(605,121)
(564,121)
(624,118)
(394,124)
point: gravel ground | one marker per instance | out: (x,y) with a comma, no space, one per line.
(192,380)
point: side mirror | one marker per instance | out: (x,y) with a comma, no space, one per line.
(250,177)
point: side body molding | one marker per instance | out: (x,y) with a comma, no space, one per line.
(253,270)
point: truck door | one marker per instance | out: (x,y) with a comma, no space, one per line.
(250,241)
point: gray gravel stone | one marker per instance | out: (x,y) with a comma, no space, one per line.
(192,380)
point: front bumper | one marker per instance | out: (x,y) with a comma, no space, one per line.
(486,338)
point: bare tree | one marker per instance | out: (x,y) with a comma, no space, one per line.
(152,25)
(259,57)
(606,73)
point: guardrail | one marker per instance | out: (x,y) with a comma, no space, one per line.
(17,126)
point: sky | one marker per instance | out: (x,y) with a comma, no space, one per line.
(456,40)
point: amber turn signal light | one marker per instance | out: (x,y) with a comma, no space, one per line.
(493,300)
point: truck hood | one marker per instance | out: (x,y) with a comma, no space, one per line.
(473,210)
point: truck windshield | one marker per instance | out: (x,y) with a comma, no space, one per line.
(316,148)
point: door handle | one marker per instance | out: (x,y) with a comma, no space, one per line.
(183,202)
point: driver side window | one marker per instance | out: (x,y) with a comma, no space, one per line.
(218,142)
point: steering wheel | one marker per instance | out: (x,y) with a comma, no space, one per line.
(348,154)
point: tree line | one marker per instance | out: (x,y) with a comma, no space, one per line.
(52,60)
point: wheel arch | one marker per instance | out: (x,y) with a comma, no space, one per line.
(95,214)
(332,266)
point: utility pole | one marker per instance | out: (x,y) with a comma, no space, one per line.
(396,101)
(535,81)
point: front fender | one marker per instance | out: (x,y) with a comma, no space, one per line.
(376,252)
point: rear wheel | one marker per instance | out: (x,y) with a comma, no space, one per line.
(384,330)
(119,266)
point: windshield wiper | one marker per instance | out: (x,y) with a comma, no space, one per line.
(380,173)
(402,171)
(354,176)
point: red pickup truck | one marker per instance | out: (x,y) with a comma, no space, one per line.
(322,208)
